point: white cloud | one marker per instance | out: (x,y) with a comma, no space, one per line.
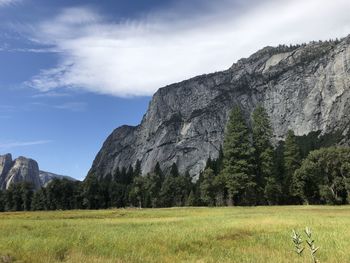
(133,58)
(15,144)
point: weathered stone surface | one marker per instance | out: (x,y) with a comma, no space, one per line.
(5,166)
(304,89)
(24,170)
(47,177)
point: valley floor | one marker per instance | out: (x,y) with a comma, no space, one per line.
(258,234)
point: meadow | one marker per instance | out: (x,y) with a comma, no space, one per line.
(230,234)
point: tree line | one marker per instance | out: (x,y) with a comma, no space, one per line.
(249,171)
(299,170)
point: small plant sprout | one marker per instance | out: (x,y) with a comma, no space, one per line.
(311,244)
(297,240)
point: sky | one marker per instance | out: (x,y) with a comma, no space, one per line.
(73,71)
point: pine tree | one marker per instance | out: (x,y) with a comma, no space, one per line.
(2,201)
(166,195)
(39,200)
(183,187)
(54,195)
(238,163)
(174,171)
(268,187)
(169,193)
(191,200)
(207,189)
(27,195)
(154,185)
(137,170)
(136,194)
(272,191)
(220,190)
(292,161)
(104,191)
(91,192)
(14,201)
(9,199)
(158,171)
(117,194)
(151,189)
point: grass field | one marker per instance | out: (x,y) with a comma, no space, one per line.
(260,234)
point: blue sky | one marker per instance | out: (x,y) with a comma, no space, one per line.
(72,71)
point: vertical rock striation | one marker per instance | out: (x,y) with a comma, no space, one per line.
(304,88)
(24,170)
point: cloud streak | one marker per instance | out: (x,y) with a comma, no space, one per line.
(136,57)
(75,106)
(16,144)
(4,3)
(72,106)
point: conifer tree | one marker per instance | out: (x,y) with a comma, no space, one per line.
(13,197)
(2,201)
(158,171)
(169,191)
(268,187)
(166,195)
(39,200)
(27,195)
(91,192)
(220,190)
(238,163)
(137,170)
(136,194)
(292,161)
(207,188)
(152,186)
(191,200)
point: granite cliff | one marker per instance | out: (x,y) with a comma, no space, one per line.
(304,88)
(47,177)
(23,170)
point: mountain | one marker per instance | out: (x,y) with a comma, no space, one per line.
(305,88)
(47,177)
(23,170)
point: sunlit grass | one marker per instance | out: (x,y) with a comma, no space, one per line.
(260,234)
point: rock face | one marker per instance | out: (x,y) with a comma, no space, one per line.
(20,170)
(303,88)
(47,177)
(23,170)
(5,166)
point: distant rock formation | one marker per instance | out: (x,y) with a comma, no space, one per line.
(304,88)
(47,177)
(23,170)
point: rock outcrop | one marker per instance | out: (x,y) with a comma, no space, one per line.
(19,170)
(5,166)
(47,177)
(23,170)
(304,88)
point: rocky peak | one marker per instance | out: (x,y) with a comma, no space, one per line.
(23,169)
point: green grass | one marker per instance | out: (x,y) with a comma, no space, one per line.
(259,234)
